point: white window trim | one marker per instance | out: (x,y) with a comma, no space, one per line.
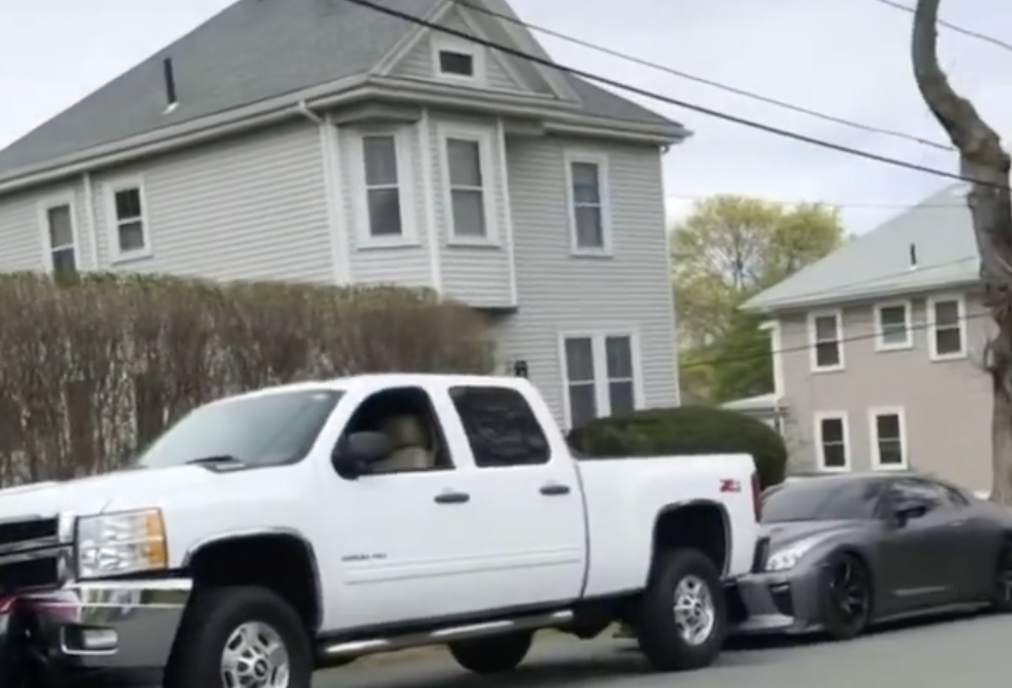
(876,459)
(477,52)
(55,201)
(597,338)
(486,139)
(908,343)
(820,416)
(576,156)
(112,187)
(932,327)
(405,186)
(840,337)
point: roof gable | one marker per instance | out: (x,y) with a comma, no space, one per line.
(938,232)
(253,51)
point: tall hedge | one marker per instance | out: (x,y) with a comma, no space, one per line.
(686,430)
(92,366)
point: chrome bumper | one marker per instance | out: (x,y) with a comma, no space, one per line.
(106,625)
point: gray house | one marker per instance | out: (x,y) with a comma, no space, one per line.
(880,350)
(315,140)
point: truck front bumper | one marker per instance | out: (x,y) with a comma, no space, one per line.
(129,625)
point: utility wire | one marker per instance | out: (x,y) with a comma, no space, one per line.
(955,28)
(845,205)
(711,112)
(720,360)
(710,82)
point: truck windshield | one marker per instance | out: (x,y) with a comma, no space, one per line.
(821,499)
(268,430)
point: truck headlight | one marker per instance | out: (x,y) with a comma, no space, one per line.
(120,544)
(788,557)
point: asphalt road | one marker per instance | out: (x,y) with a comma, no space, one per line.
(942,654)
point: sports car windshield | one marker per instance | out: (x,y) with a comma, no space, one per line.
(821,500)
(267,430)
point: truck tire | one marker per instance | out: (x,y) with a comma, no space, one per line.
(250,631)
(683,615)
(493,654)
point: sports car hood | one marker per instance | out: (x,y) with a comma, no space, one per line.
(784,533)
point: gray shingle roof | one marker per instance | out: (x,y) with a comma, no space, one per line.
(879,262)
(252,51)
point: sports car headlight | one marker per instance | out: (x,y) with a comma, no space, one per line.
(786,558)
(120,544)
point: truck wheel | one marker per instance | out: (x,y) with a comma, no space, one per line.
(493,654)
(240,636)
(683,618)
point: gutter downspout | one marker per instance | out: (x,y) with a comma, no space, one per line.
(90,220)
(333,194)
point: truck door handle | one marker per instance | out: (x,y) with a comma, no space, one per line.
(452,498)
(554,489)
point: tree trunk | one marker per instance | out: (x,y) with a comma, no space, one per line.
(985,165)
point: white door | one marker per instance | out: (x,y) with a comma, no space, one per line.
(528,534)
(399,558)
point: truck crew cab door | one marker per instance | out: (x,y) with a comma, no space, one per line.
(527,529)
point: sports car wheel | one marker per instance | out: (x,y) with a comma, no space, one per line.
(846,597)
(1001,596)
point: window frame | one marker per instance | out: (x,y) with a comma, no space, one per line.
(113,223)
(364,238)
(486,140)
(452,44)
(600,160)
(813,317)
(818,418)
(874,414)
(908,342)
(476,461)
(933,328)
(68,199)
(599,361)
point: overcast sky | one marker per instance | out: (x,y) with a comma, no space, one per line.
(850,59)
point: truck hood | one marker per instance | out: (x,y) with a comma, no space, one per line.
(95,494)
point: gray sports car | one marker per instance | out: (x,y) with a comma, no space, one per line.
(839,553)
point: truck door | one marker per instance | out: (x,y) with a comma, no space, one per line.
(400,536)
(527,530)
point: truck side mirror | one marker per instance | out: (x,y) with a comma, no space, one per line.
(358,450)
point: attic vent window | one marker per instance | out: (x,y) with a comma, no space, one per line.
(454,63)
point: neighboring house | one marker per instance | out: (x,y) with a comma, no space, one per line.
(324,142)
(764,407)
(879,350)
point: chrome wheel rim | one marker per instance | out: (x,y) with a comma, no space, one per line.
(695,613)
(255,657)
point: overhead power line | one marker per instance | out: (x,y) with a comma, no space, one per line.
(846,205)
(710,82)
(955,28)
(711,112)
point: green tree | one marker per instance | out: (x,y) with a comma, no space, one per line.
(728,249)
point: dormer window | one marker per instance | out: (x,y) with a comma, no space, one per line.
(458,60)
(453,63)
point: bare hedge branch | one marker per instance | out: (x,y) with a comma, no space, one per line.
(93,366)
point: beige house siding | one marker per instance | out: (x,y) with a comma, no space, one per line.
(946,405)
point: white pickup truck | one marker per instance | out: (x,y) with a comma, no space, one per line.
(273,533)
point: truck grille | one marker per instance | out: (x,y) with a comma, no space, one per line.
(30,553)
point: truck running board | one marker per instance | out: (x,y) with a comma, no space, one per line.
(357,648)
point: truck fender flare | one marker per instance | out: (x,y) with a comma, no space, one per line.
(724,518)
(297,535)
